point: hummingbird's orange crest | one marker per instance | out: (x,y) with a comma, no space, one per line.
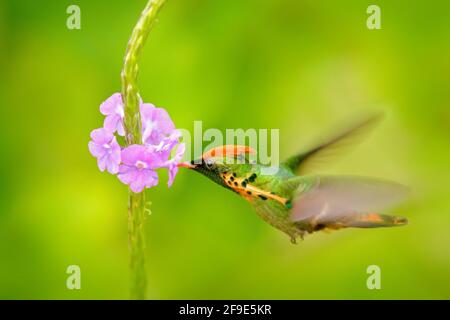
(229,150)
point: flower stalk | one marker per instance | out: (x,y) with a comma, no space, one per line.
(132,124)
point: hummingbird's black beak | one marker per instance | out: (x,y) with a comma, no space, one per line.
(187,165)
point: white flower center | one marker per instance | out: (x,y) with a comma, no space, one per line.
(107,147)
(160,146)
(140,165)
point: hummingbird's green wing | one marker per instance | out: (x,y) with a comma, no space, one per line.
(310,160)
(339,201)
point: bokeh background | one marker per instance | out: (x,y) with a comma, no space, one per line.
(305,67)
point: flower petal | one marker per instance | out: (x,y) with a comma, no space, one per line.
(112,167)
(146,110)
(165,124)
(111,123)
(115,151)
(109,105)
(120,128)
(101,136)
(151,178)
(96,150)
(101,162)
(173,170)
(127,174)
(180,152)
(154,160)
(138,184)
(133,153)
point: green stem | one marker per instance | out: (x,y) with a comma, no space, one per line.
(136,242)
(132,123)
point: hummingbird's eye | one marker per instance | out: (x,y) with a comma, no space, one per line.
(209,163)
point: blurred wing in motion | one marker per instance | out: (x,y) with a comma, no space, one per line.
(336,202)
(310,160)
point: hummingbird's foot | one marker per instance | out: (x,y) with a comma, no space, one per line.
(294,237)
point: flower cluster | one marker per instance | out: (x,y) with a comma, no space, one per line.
(135,165)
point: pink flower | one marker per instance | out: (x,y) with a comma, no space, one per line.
(136,164)
(106,149)
(172,164)
(156,124)
(137,168)
(112,108)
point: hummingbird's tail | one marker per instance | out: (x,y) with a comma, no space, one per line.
(335,202)
(375,220)
(369,220)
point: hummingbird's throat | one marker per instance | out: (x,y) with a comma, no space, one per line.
(244,186)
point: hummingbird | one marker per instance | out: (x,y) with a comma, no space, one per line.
(297,201)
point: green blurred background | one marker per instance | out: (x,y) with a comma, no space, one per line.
(303,66)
